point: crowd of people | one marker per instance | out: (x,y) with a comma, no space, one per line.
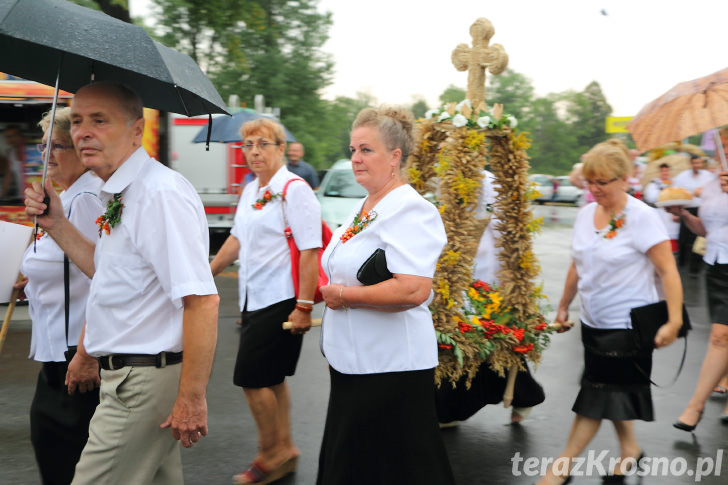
(127,333)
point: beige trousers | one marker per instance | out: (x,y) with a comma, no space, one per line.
(125,443)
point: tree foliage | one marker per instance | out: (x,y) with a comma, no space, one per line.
(274,48)
(268,47)
(562,125)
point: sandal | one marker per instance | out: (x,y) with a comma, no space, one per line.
(257,473)
(719,390)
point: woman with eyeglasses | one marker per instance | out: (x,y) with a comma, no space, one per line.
(618,244)
(64,400)
(267,353)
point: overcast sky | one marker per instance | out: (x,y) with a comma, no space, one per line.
(400,49)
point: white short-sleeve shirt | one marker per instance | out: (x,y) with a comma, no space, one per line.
(687,179)
(361,341)
(43,265)
(264,276)
(157,255)
(713,213)
(616,275)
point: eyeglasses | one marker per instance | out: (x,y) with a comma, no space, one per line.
(56,146)
(601,183)
(261,145)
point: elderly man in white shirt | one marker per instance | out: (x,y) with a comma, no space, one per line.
(144,305)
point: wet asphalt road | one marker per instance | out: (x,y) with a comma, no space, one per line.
(481,450)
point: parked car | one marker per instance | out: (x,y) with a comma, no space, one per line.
(339,193)
(567,192)
(544,185)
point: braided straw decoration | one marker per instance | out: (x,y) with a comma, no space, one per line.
(456,156)
(519,266)
(451,160)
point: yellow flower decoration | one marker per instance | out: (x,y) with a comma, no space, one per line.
(535,225)
(444,289)
(474,139)
(451,258)
(415,177)
(465,188)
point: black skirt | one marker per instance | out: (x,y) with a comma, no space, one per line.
(616,380)
(267,353)
(487,387)
(716,282)
(382,428)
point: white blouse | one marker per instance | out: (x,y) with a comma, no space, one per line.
(264,276)
(363,341)
(44,269)
(616,275)
(713,213)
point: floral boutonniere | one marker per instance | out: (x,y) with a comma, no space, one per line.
(112,216)
(615,223)
(358,225)
(267,197)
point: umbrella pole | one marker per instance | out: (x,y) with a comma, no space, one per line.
(47,155)
(719,148)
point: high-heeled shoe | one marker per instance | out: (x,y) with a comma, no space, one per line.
(616,478)
(687,427)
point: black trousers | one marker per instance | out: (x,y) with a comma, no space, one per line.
(59,424)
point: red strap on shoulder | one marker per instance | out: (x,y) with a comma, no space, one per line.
(285,187)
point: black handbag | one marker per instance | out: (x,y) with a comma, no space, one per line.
(374,270)
(647,320)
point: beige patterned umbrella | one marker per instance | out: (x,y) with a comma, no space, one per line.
(687,109)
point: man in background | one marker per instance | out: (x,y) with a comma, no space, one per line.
(693,180)
(12,166)
(297,165)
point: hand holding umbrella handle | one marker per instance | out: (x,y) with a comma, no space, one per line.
(315,322)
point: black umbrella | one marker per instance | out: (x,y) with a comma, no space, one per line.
(58,42)
(226,129)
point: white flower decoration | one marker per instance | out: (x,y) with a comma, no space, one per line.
(443,116)
(460,105)
(431,113)
(483,121)
(459,120)
(512,121)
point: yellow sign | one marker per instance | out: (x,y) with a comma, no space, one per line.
(617,124)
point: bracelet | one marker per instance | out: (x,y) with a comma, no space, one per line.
(303,309)
(341,296)
(310,302)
